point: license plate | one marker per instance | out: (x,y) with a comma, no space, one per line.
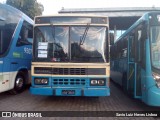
(68,92)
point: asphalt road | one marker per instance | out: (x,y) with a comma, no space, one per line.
(118,101)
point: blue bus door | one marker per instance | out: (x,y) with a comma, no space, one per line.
(133,72)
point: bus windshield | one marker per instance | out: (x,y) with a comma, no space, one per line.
(88,48)
(69,44)
(155,45)
(8,23)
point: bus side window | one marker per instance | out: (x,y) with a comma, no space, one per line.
(139,41)
(26,35)
(143,47)
(132,48)
(140,44)
(124,48)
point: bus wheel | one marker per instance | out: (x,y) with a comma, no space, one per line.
(19,84)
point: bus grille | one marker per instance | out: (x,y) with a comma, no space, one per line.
(69,71)
(71,82)
(60,71)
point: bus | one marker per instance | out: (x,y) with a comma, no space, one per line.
(70,56)
(135,59)
(15,49)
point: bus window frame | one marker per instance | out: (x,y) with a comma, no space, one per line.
(139,57)
(22,39)
(156,70)
(131,49)
(106,43)
(141,54)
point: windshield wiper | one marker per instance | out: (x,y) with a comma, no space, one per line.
(82,38)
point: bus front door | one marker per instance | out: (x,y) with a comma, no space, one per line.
(132,73)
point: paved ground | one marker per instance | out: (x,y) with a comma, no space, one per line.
(118,101)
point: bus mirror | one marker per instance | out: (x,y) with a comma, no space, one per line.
(111,36)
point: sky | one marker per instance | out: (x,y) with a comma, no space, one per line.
(53,6)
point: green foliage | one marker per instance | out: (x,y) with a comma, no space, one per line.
(30,7)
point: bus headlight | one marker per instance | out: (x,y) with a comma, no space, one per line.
(157,79)
(94,82)
(41,81)
(101,82)
(97,82)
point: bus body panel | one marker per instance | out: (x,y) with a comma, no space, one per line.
(150,92)
(80,84)
(142,79)
(70,52)
(153,96)
(16,58)
(6,75)
(119,70)
(79,90)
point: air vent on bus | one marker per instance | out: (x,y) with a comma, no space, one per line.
(71,82)
(60,71)
(43,70)
(70,71)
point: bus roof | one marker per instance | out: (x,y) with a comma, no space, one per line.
(73,15)
(16,12)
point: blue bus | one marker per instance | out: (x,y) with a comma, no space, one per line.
(70,56)
(15,49)
(135,59)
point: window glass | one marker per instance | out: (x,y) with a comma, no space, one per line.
(25,36)
(8,23)
(139,44)
(88,44)
(51,43)
(155,46)
(70,44)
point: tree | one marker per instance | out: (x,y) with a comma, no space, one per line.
(30,7)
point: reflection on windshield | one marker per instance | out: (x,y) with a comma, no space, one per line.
(8,23)
(56,44)
(52,47)
(92,49)
(155,39)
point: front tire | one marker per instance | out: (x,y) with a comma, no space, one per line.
(19,84)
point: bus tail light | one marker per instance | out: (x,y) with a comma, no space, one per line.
(157,79)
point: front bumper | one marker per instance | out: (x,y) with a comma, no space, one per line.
(95,92)
(153,96)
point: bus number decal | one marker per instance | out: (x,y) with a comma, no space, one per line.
(27,50)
